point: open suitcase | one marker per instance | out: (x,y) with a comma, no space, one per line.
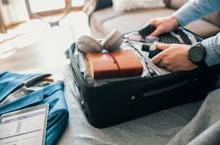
(114,101)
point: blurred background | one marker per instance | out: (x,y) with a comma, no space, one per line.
(34,34)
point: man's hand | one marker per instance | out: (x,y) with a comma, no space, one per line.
(163,25)
(174,57)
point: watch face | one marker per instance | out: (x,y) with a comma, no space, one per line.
(196,54)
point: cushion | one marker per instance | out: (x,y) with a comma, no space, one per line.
(126,5)
(134,20)
(214,18)
(104,21)
(203,28)
(99,17)
(176,4)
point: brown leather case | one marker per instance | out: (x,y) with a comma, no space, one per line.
(116,64)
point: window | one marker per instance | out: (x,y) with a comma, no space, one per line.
(51,7)
(46,5)
(2,26)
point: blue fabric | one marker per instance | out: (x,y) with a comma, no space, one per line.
(51,94)
(197,9)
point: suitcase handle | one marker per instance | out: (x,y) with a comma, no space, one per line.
(169,88)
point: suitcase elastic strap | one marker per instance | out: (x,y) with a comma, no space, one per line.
(116,62)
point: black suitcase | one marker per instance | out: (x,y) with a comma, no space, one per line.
(118,101)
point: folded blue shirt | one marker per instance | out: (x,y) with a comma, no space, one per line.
(52,94)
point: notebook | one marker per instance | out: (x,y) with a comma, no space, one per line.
(124,63)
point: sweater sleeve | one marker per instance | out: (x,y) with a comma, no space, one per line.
(196,9)
(212,46)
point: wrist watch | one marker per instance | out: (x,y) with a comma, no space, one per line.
(197,54)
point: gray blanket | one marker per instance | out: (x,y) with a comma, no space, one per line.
(181,125)
(204,129)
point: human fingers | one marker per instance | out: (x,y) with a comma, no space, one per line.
(158,58)
(162,46)
(157,32)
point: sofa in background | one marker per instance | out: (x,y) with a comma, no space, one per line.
(103,18)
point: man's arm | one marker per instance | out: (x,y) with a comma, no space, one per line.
(177,59)
(174,57)
(196,9)
(191,11)
(212,46)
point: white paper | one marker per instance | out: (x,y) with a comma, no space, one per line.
(26,127)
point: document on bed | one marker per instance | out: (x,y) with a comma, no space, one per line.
(24,127)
